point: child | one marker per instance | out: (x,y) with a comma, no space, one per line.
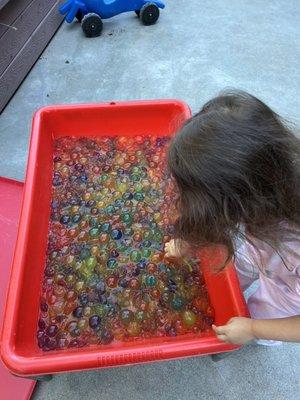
(236,166)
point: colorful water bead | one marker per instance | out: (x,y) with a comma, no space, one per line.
(105,279)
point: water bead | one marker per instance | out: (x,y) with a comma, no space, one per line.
(112,281)
(127,316)
(112,263)
(188,318)
(112,211)
(126,218)
(150,280)
(116,234)
(133,329)
(135,256)
(78,312)
(94,321)
(177,303)
(138,196)
(106,336)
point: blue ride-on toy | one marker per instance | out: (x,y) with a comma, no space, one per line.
(90,13)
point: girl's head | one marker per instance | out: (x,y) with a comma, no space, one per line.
(235,164)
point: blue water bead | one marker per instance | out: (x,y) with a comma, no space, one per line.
(65,219)
(119,203)
(142,264)
(127,196)
(84,178)
(83,299)
(116,234)
(146,243)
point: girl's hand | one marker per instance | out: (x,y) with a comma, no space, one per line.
(238,330)
(176,249)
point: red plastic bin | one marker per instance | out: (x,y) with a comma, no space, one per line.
(19,349)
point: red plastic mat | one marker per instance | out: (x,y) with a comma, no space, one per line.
(12,388)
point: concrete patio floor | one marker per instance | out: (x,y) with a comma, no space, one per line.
(197,49)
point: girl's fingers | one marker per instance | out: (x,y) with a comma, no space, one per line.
(224,338)
(219,329)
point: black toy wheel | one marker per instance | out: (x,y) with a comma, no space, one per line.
(137,12)
(79,16)
(149,14)
(92,25)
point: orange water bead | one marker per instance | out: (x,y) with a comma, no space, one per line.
(83,236)
(155,293)
(138,237)
(118,333)
(83,160)
(103,238)
(133,329)
(73,232)
(57,166)
(83,224)
(134,283)
(151,267)
(59,291)
(69,307)
(95,250)
(201,303)
(157,257)
(70,295)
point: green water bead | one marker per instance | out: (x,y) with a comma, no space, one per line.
(135,256)
(189,318)
(135,177)
(110,209)
(146,253)
(94,232)
(135,169)
(91,263)
(177,303)
(103,178)
(138,187)
(150,280)
(112,263)
(138,196)
(100,310)
(128,231)
(126,218)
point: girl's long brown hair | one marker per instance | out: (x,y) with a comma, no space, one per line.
(236,165)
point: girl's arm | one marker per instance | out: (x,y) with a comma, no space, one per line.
(240,330)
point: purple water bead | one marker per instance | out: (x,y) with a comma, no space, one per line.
(42,324)
(94,321)
(106,336)
(78,312)
(44,306)
(52,330)
(100,287)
